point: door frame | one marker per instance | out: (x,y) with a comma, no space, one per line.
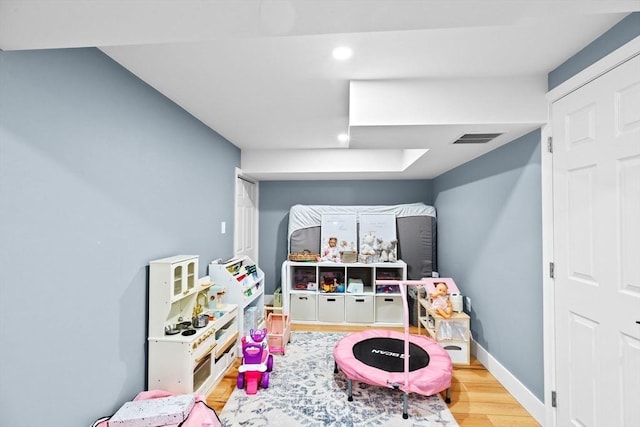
(612,60)
(239,174)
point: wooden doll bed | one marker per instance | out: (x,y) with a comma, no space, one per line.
(278,328)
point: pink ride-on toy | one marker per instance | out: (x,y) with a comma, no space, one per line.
(256,362)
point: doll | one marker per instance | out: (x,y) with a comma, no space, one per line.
(440,300)
(331,252)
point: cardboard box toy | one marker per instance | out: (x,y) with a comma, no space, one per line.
(153,412)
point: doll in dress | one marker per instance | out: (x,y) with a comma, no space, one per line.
(440,301)
(331,252)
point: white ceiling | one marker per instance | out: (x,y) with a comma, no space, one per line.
(260,72)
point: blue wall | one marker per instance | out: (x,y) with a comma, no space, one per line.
(489,241)
(99,174)
(621,33)
(277,197)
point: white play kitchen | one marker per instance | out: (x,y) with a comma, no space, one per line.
(192,333)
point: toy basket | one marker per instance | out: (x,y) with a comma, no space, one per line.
(349,256)
(304,256)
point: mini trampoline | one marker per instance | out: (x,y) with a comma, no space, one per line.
(379,357)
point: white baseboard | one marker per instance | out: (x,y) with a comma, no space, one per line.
(527,399)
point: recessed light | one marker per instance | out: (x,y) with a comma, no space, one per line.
(342,52)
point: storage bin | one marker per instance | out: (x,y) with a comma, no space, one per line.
(458,350)
(359,308)
(303,306)
(331,308)
(349,256)
(388,308)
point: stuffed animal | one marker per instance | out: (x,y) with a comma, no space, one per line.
(393,253)
(366,246)
(377,247)
(388,251)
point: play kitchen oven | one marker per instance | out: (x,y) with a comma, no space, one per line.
(183,363)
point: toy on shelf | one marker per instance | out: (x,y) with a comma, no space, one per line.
(332,281)
(216,292)
(279,329)
(439,298)
(256,362)
(331,252)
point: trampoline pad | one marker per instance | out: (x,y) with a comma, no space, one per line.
(388,354)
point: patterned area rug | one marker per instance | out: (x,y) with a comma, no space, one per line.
(304,391)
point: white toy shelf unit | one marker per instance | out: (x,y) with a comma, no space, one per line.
(310,298)
(244,284)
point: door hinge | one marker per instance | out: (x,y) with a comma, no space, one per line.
(552,268)
(550,144)
(554,400)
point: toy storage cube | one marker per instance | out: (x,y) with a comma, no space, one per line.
(388,308)
(303,306)
(359,308)
(331,308)
(458,350)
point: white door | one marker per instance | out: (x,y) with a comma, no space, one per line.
(596,196)
(246,217)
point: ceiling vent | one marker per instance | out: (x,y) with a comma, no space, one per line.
(476,138)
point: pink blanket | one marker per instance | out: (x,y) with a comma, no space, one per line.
(200,415)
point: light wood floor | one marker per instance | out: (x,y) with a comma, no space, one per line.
(477,398)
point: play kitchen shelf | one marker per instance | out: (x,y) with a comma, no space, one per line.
(244,283)
(328,292)
(190,338)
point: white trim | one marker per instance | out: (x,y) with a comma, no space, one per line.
(240,174)
(530,402)
(615,58)
(548,301)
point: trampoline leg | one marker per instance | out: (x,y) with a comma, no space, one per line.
(447,395)
(405,404)
(335,368)
(349,391)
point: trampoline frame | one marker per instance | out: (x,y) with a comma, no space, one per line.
(440,366)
